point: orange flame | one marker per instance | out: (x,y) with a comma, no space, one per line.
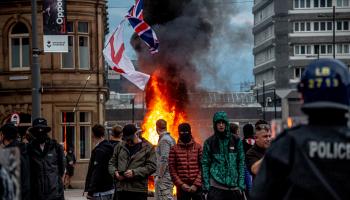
(160,107)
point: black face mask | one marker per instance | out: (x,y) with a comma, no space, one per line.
(41,137)
(185,137)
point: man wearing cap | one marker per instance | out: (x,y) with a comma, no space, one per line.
(98,183)
(163,184)
(46,163)
(184,165)
(8,137)
(132,162)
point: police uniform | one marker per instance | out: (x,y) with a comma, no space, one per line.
(312,162)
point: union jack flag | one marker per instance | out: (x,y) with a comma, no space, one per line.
(143,30)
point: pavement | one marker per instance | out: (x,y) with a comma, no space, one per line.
(77,194)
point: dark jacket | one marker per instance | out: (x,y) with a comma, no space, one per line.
(223,158)
(306,162)
(25,168)
(253,155)
(184,164)
(142,163)
(47,169)
(98,178)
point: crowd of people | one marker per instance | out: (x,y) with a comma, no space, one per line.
(305,162)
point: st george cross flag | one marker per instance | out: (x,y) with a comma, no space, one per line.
(114,53)
(143,30)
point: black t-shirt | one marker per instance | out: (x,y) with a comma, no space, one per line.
(253,155)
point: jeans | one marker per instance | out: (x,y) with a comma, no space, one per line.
(104,197)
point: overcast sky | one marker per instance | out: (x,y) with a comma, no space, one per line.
(240,61)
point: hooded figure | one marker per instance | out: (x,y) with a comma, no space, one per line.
(223,162)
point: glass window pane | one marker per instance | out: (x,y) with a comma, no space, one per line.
(83,27)
(68,58)
(15,54)
(19,28)
(70,27)
(316,26)
(346,48)
(296,3)
(296,26)
(329,26)
(68,136)
(302,3)
(302,49)
(316,49)
(297,50)
(297,72)
(316,3)
(346,25)
(339,3)
(308,3)
(329,49)
(84,117)
(339,26)
(308,50)
(346,3)
(329,3)
(323,49)
(25,52)
(322,3)
(339,48)
(308,26)
(84,58)
(84,142)
(67,117)
(302,26)
(323,26)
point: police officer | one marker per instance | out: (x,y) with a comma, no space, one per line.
(312,161)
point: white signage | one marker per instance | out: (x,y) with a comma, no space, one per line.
(56,43)
(113,75)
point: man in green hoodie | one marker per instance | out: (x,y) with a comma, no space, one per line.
(223,163)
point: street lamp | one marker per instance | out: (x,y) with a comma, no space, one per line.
(333,19)
(264,103)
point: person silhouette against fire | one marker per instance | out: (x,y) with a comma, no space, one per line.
(163,184)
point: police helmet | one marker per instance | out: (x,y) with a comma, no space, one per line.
(324,84)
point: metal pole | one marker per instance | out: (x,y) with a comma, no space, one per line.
(36,96)
(133,109)
(274,102)
(333,32)
(264,117)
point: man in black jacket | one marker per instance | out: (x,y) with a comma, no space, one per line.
(46,163)
(99,183)
(9,134)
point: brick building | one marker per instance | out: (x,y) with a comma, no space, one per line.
(63,75)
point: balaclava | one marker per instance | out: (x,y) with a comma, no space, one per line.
(187,136)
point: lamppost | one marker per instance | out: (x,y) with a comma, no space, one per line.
(264,101)
(333,20)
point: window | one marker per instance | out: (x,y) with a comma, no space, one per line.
(329,49)
(339,26)
(323,26)
(346,48)
(339,48)
(316,26)
(296,26)
(19,47)
(76,130)
(323,49)
(302,3)
(322,3)
(343,3)
(329,26)
(302,26)
(264,56)
(298,71)
(78,42)
(308,26)
(346,25)
(67,59)
(263,14)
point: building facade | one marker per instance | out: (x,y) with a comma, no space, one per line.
(73,86)
(290,34)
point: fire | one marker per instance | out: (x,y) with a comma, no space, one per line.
(160,106)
